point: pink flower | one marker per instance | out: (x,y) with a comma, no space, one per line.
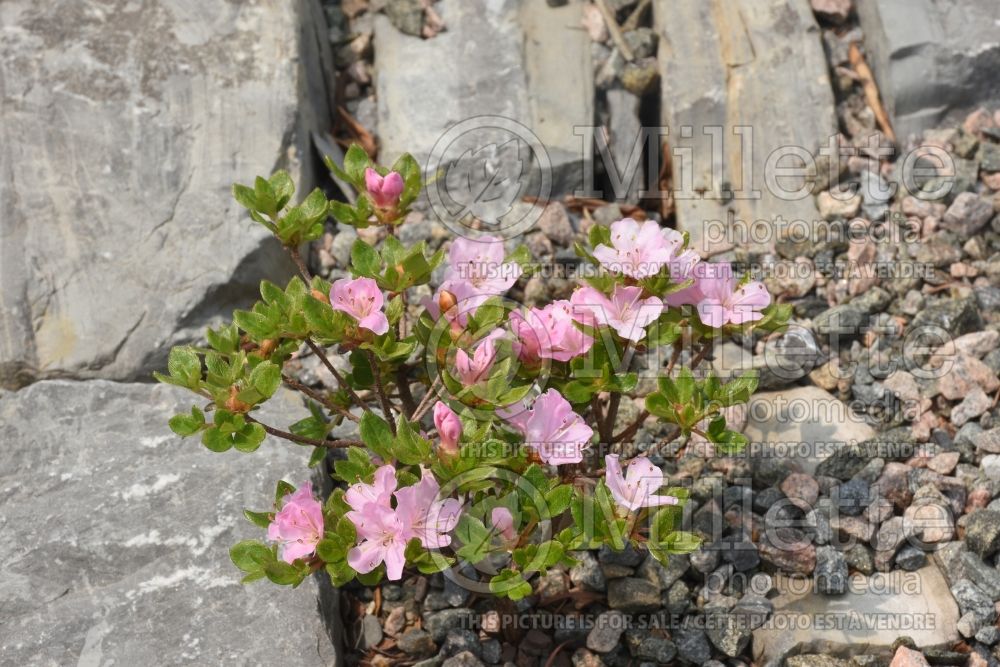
(425,517)
(503,521)
(643,250)
(383,190)
(722,302)
(449,427)
(625,311)
(298,526)
(383,538)
(361,299)
(548,333)
(480,264)
(552,429)
(635,489)
(379,492)
(477,368)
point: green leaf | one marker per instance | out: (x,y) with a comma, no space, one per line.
(281,490)
(282,573)
(410,448)
(184,365)
(250,555)
(283,187)
(557,500)
(186,425)
(265,378)
(355,162)
(364,260)
(245,196)
(475,538)
(259,519)
(510,584)
(375,433)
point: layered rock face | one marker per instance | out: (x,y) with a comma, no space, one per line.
(123,130)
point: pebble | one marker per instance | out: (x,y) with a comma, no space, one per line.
(555,224)
(801,487)
(587,572)
(584,658)
(416,642)
(982,532)
(852,497)
(911,558)
(463,659)
(830,574)
(692,645)
(905,657)
(966,375)
(968,214)
(607,630)
(632,595)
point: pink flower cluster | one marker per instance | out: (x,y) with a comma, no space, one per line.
(383,531)
(298,526)
(548,333)
(640,251)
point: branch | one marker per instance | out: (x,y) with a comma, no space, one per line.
(403,385)
(632,428)
(303,269)
(427,401)
(319,398)
(380,389)
(302,440)
(318,351)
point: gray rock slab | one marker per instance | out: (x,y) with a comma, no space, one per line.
(934,60)
(525,61)
(117,535)
(867,619)
(123,129)
(802,426)
(752,65)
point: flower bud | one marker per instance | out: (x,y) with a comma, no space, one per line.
(449,428)
(384,191)
(319,296)
(233,403)
(267,347)
(446,301)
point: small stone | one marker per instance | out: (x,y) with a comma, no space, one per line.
(988,635)
(587,572)
(968,214)
(956,316)
(944,462)
(416,642)
(859,557)
(629,556)
(835,11)
(555,224)
(641,41)
(984,441)
(790,552)
(905,657)
(890,537)
(705,560)
(975,403)
(965,375)
(910,558)
(893,484)
(406,15)
(634,596)
(463,659)
(458,641)
(728,632)
(439,623)
(982,532)
(371,631)
(830,574)
(664,575)
(584,658)
(656,649)
(640,77)
(972,600)
(677,599)
(692,645)
(801,487)
(852,497)
(816,660)
(607,631)
(841,205)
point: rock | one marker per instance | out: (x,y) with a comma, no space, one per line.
(965,375)
(584,658)
(440,623)
(137,162)
(976,344)
(728,632)
(788,550)
(162,556)
(890,537)
(607,631)
(968,214)
(835,11)
(985,441)
(849,319)
(626,177)
(664,576)
(627,557)
(975,403)
(371,632)
(657,650)
(463,659)
(751,63)
(982,532)
(587,572)
(531,65)
(811,419)
(801,487)
(406,15)
(814,660)
(852,497)
(692,645)
(554,223)
(905,657)
(972,600)
(642,42)
(633,596)
(842,205)
(911,558)
(922,598)
(461,640)
(859,557)
(417,642)
(957,317)
(929,62)
(830,574)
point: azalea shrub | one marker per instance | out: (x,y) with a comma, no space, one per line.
(488,433)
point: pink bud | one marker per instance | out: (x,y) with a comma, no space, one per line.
(449,427)
(503,521)
(383,190)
